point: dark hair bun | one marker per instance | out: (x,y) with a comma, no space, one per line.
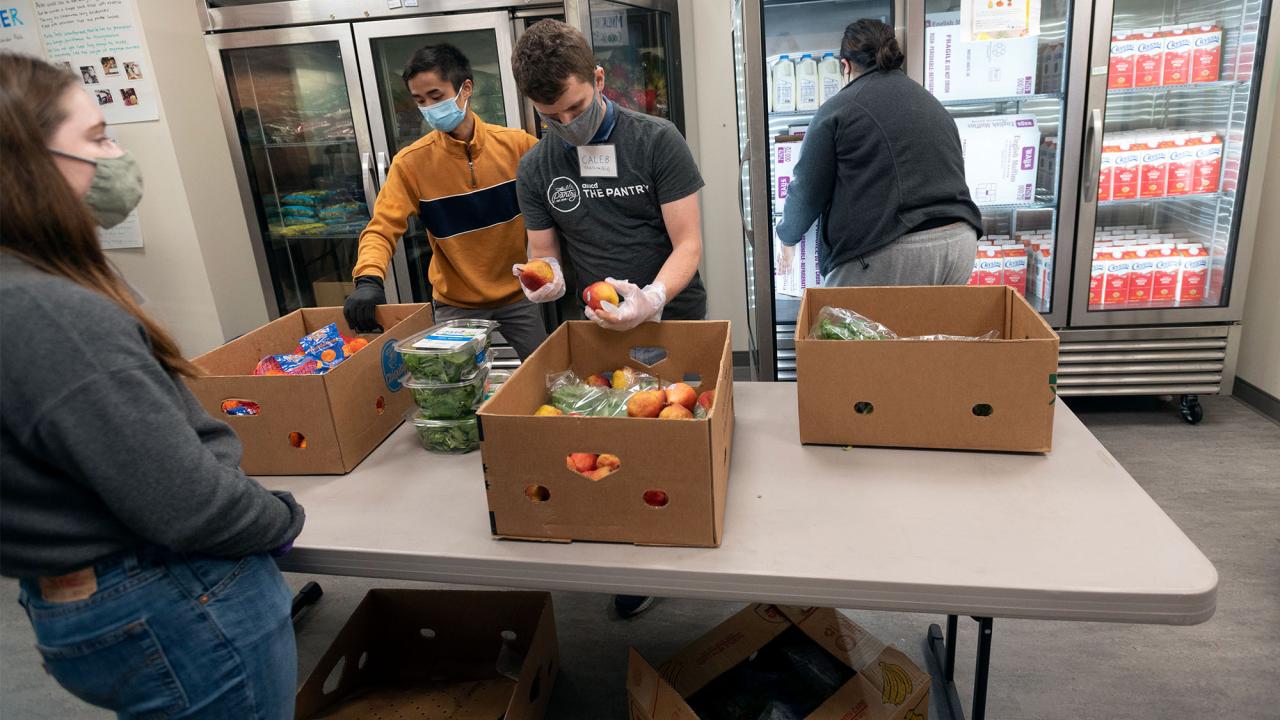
(871,45)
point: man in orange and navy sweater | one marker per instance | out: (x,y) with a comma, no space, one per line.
(461,181)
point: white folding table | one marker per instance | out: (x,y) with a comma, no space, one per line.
(1064,536)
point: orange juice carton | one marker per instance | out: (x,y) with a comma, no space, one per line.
(1014,270)
(1208,164)
(1124,175)
(990,265)
(1148,61)
(1153,170)
(1119,270)
(1177,57)
(1193,271)
(1142,275)
(1164,276)
(1124,54)
(1097,277)
(1206,53)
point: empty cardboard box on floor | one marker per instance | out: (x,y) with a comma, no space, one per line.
(311,424)
(437,655)
(772,661)
(956,394)
(532,495)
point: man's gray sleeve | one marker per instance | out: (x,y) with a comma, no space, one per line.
(532,196)
(675,173)
(810,190)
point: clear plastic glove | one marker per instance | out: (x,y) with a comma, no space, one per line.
(638,305)
(786,258)
(553,290)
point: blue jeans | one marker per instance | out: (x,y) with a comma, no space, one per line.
(173,636)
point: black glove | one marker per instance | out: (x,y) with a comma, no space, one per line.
(362,304)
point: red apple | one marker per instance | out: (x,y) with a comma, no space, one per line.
(600,292)
(707,399)
(598,380)
(681,394)
(536,273)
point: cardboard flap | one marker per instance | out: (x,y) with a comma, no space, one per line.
(847,641)
(649,697)
(352,640)
(724,647)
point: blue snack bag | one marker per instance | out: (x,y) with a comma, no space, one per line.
(325,346)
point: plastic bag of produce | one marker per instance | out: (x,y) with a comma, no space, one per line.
(571,396)
(842,324)
(991,335)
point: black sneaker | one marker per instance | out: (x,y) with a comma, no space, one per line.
(629,606)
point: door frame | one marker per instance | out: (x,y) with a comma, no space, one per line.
(215,45)
(365,33)
(1252,172)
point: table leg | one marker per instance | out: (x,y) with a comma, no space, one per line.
(942,656)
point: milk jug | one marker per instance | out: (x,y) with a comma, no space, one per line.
(806,83)
(784,85)
(829,81)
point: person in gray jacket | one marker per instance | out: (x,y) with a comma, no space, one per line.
(881,165)
(140,546)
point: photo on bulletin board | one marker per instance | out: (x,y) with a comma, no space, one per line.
(110,66)
(88,75)
(104,97)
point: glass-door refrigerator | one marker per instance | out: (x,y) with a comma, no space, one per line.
(1168,212)
(783,51)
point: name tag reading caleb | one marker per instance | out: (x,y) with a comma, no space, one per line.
(598,161)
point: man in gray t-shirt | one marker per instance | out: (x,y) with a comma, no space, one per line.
(615,190)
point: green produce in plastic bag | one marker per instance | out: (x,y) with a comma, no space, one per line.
(842,324)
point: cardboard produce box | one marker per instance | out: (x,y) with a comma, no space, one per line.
(966,395)
(671,486)
(311,424)
(772,661)
(438,655)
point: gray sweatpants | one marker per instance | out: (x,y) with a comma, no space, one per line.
(941,256)
(520,322)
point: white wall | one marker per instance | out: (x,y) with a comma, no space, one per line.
(714,128)
(1259,362)
(196,269)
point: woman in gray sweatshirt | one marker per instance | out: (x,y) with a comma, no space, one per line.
(881,165)
(140,546)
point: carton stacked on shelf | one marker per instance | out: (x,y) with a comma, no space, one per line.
(1159,163)
(1000,154)
(1163,56)
(1024,263)
(960,70)
(1137,266)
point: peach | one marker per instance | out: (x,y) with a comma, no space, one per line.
(681,394)
(598,474)
(675,412)
(707,399)
(581,462)
(623,379)
(599,292)
(536,273)
(605,460)
(598,380)
(547,410)
(646,403)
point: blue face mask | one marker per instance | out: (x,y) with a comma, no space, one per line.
(445,115)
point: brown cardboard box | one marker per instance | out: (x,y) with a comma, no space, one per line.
(687,459)
(884,683)
(342,415)
(436,655)
(332,293)
(992,395)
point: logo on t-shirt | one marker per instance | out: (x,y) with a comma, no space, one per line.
(564,195)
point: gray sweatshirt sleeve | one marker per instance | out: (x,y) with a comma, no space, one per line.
(810,190)
(124,434)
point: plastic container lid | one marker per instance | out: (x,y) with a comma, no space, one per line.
(447,337)
(784,57)
(806,56)
(496,378)
(828,54)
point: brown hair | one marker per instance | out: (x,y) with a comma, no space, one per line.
(871,45)
(42,220)
(547,55)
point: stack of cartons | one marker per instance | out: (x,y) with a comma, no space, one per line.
(1000,158)
(1159,163)
(1024,263)
(1165,56)
(1135,266)
(961,70)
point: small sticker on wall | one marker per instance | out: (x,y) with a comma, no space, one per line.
(411,3)
(393,4)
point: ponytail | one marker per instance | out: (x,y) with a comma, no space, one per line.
(871,45)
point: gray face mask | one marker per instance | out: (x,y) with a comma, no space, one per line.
(581,129)
(116,189)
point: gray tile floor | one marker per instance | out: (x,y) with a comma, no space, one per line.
(1220,481)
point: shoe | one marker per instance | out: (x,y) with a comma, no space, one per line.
(629,606)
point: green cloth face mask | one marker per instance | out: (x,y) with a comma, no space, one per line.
(116,189)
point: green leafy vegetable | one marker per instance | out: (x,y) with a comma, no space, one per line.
(841,324)
(443,402)
(445,367)
(462,436)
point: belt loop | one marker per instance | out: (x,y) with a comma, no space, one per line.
(130,562)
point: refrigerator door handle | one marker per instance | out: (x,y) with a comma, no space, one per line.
(742,206)
(1093,135)
(382,168)
(366,177)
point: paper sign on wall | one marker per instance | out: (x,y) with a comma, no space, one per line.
(100,41)
(999,19)
(19,31)
(609,28)
(128,234)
